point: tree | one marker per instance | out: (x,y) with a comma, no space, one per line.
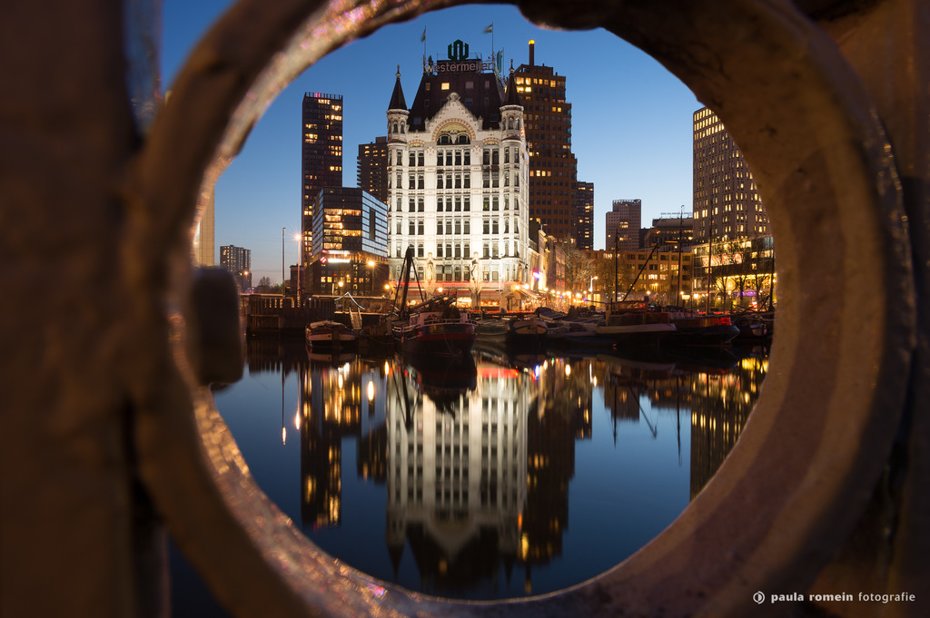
(265,286)
(578,268)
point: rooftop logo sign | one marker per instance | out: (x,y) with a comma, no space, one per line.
(458,50)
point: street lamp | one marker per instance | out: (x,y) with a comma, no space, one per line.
(300,266)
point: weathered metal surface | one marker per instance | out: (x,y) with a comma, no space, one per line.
(66,132)
(103,393)
(215,345)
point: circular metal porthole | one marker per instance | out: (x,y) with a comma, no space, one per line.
(805,464)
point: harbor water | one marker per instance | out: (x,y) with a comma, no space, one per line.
(495,475)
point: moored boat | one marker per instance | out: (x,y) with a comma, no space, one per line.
(753,326)
(527,333)
(328,334)
(635,325)
(435,328)
(491,330)
(701,330)
(577,334)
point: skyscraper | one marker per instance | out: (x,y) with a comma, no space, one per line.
(727,205)
(238,261)
(553,167)
(584,215)
(458,186)
(321,158)
(372,168)
(624,220)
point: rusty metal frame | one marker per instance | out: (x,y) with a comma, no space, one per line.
(800,475)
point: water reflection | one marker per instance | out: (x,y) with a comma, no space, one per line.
(466,473)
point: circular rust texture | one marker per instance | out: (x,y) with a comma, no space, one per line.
(807,460)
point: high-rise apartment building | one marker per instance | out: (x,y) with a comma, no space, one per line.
(238,261)
(372,168)
(623,223)
(727,205)
(457,179)
(584,215)
(553,167)
(321,156)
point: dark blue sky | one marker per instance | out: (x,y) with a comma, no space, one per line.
(631,122)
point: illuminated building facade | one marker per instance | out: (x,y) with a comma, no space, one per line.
(656,277)
(321,157)
(742,273)
(666,232)
(238,261)
(553,166)
(457,180)
(584,215)
(622,225)
(372,168)
(727,204)
(350,240)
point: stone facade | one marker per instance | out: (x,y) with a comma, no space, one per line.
(458,188)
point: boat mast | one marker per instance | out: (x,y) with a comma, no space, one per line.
(642,268)
(403,283)
(681,212)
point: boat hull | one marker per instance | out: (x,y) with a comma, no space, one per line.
(703,331)
(704,336)
(440,339)
(529,334)
(329,336)
(637,335)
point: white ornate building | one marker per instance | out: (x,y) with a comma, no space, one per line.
(458,181)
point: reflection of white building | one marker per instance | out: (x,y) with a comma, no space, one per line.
(458,180)
(456,474)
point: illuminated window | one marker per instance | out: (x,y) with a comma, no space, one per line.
(444,86)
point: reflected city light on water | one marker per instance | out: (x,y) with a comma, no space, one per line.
(496,475)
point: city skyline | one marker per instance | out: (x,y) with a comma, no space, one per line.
(632,126)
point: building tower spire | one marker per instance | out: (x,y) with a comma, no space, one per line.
(397,97)
(512,97)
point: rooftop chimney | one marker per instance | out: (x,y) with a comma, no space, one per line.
(532,52)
